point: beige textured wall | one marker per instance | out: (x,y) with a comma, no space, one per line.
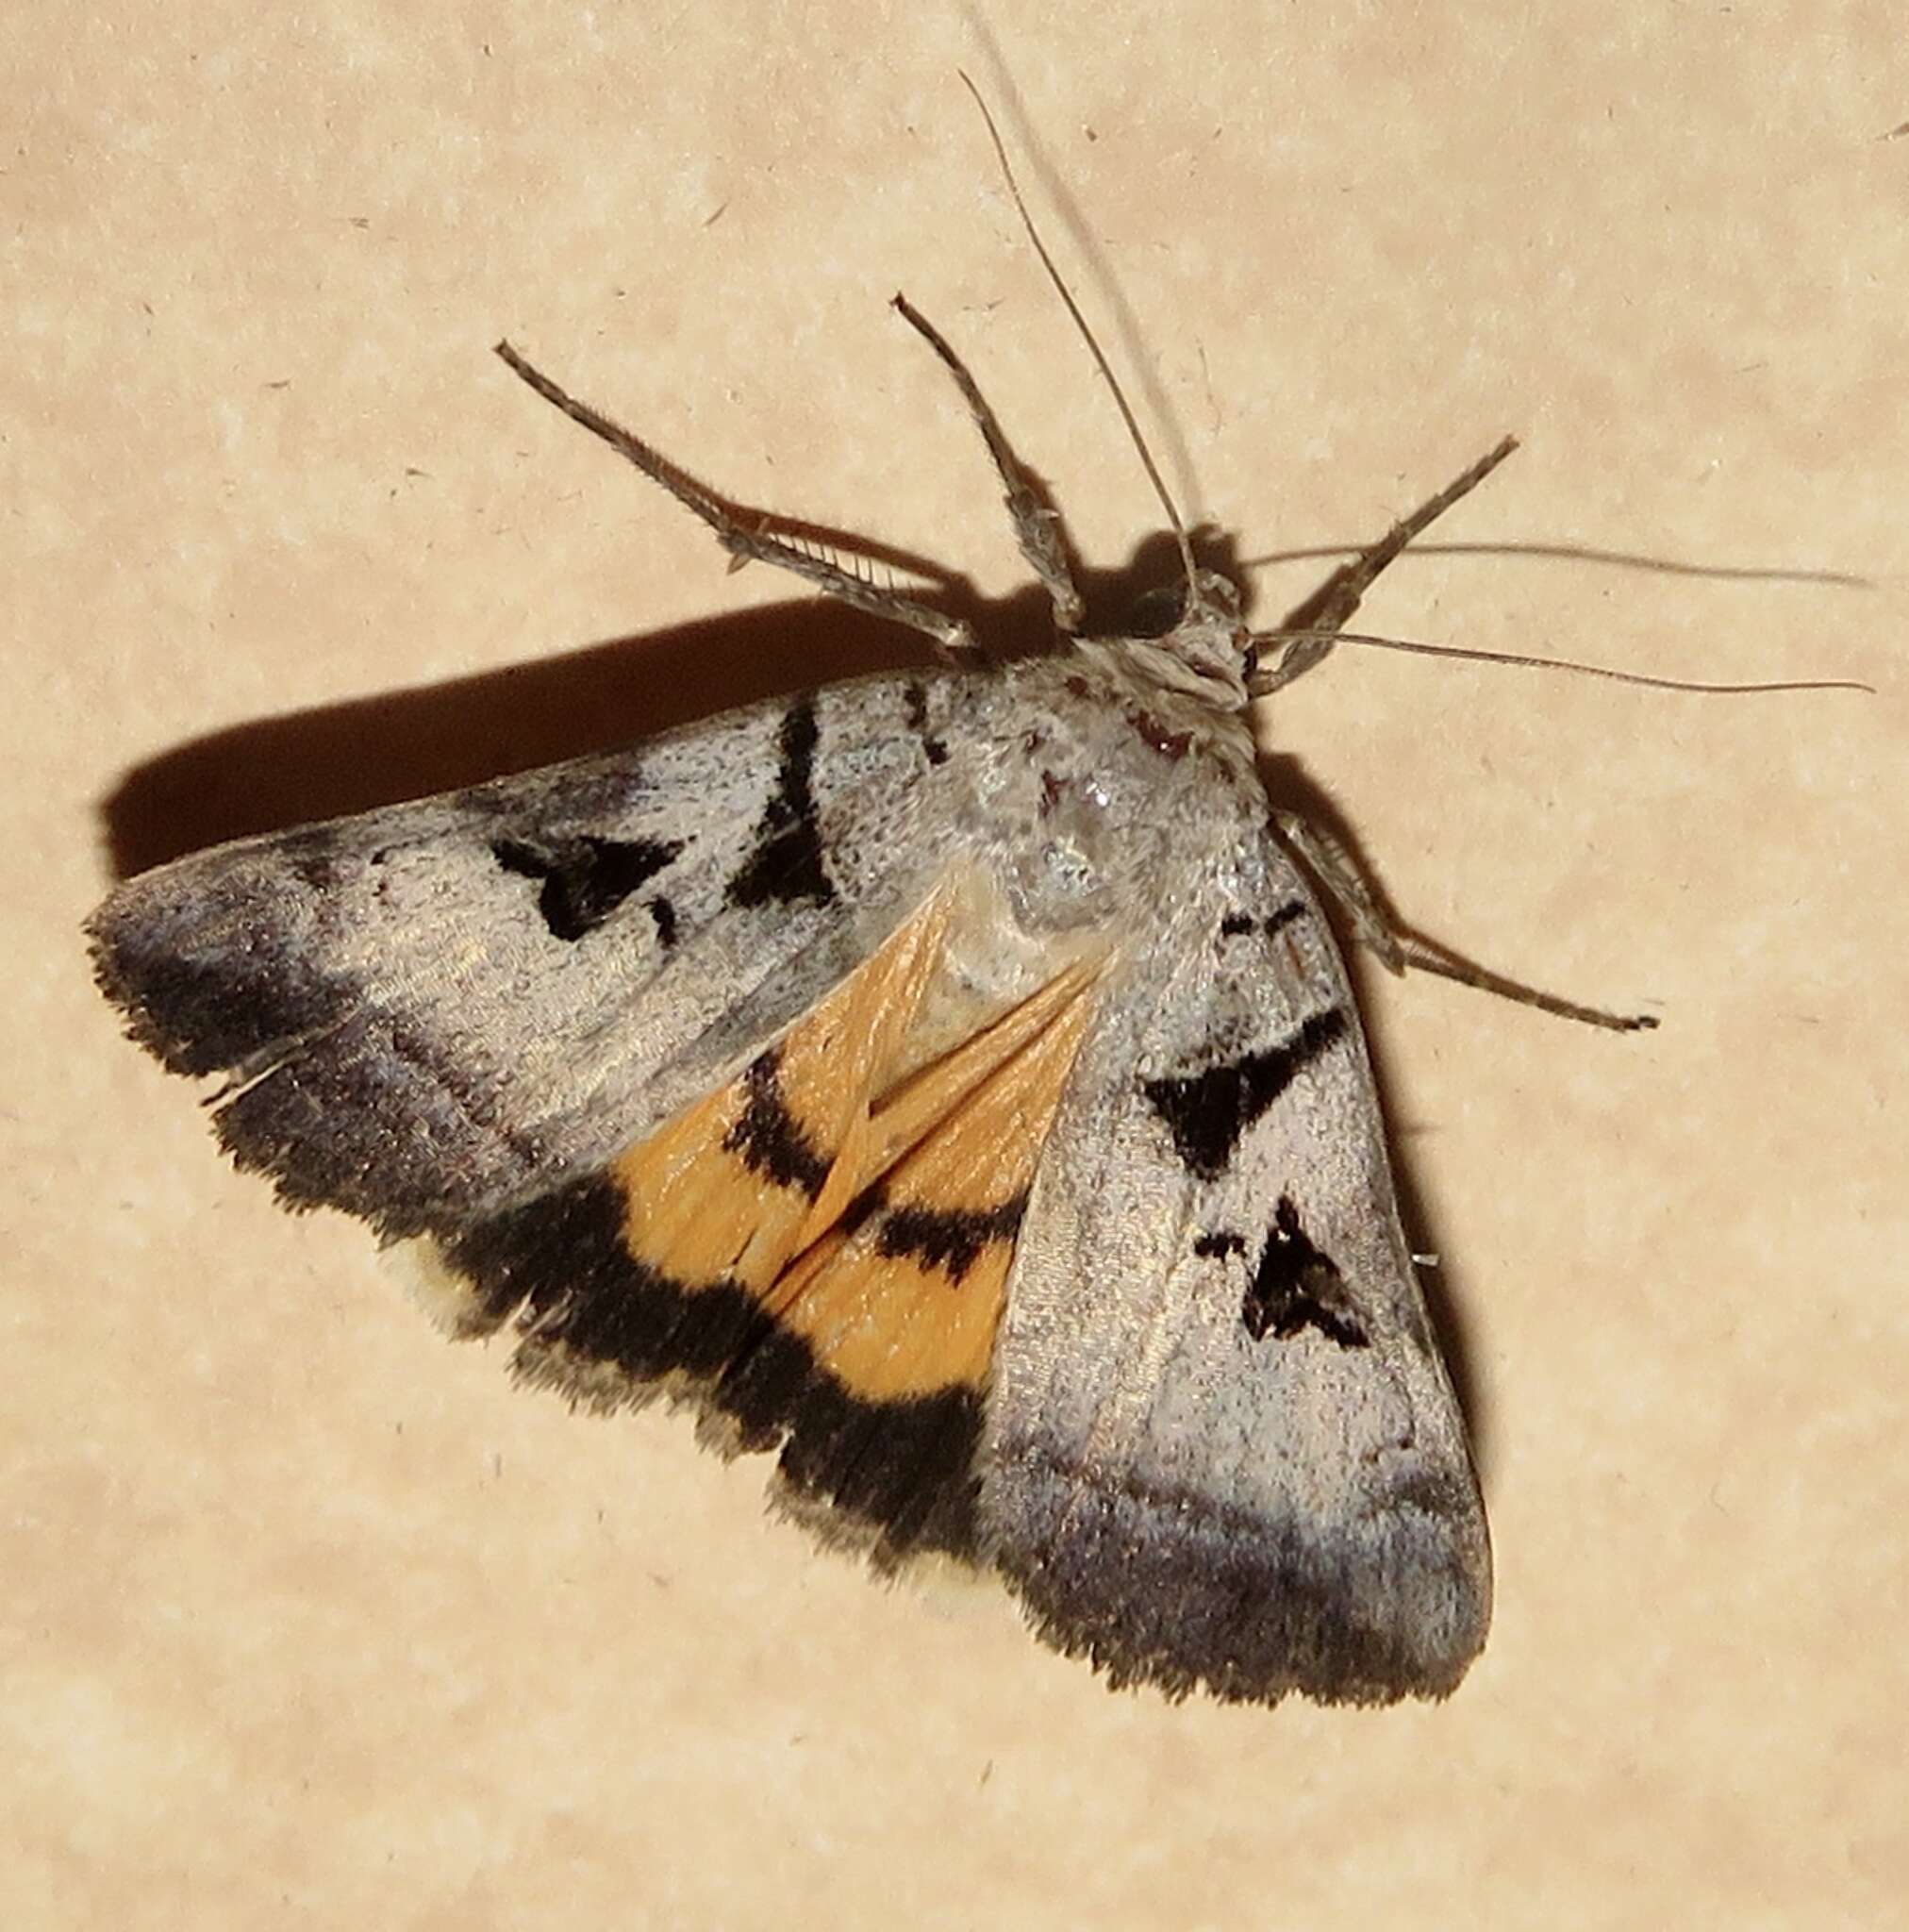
(310,1619)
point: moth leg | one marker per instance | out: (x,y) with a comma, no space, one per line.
(1400,949)
(748,543)
(1331,606)
(1035,523)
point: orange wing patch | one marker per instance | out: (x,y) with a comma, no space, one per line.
(870,1211)
(904,1299)
(734,1187)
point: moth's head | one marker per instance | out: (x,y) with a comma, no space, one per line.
(1199,630)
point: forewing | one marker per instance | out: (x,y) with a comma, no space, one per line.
(1221,1449)
(427,1012)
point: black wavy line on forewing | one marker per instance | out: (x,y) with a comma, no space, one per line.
(786,865)
(906,1468)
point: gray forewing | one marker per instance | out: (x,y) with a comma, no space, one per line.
(1222,1448)
(427,1011)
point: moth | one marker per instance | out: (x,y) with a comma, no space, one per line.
(945,1082)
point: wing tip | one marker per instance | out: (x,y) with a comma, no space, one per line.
(1187,1594)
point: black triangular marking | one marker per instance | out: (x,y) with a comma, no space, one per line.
(1208,1112)
(1293,1285)
(585,878)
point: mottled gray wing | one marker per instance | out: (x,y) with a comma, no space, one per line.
(427,1013)
(1222,1448)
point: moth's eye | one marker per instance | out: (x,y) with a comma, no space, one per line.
(1158,614)
(1248,662)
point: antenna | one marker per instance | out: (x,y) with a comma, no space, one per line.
(1080,322)
(1412,647)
